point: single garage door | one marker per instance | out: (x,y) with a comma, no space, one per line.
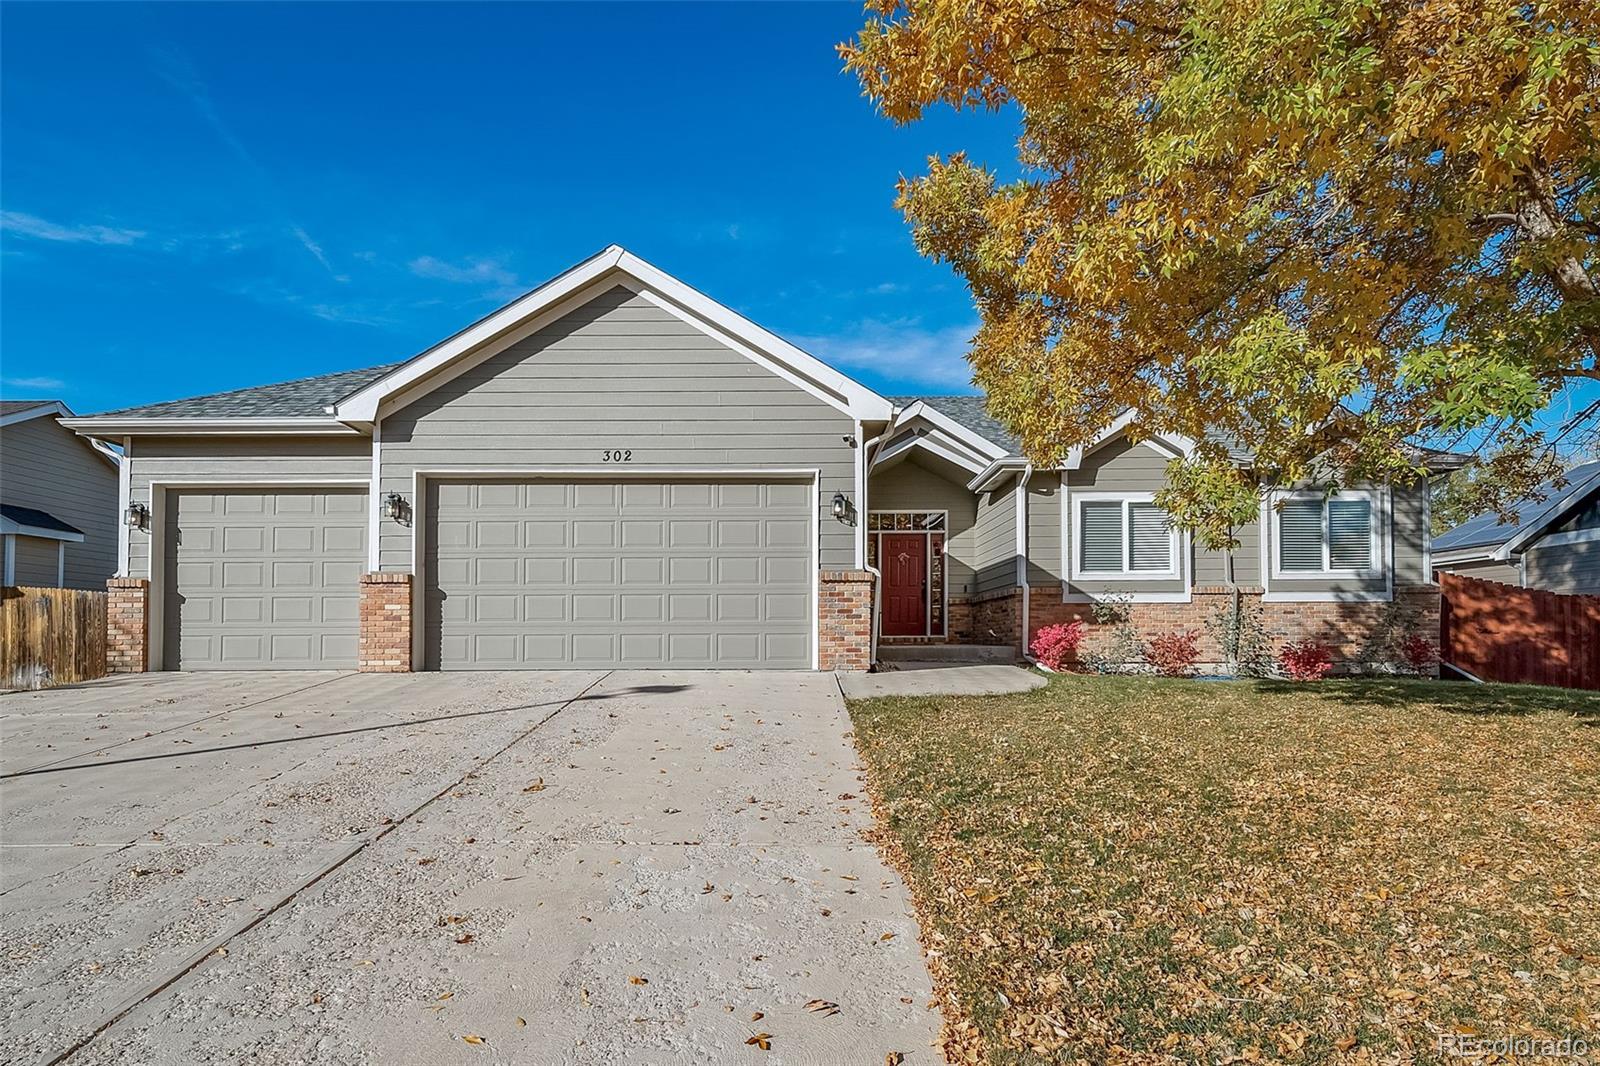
(626,573)
(264,580)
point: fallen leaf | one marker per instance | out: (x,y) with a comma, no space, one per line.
(465,938)
(708,889)
(823,1007)
(522,1023)
(474,1039)
(635,979)
(446,995)
(537,786)
(886,936)
(761,1040)
(756,1016)
(893,1058)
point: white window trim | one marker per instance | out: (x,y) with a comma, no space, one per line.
(1175,552)
(1378,515)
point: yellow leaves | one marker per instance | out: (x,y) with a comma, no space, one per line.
(474,1039)
(536,786)
(760,1040)
(635,979)
(822,1007)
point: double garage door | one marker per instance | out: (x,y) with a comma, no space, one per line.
(516,574)
(681,573)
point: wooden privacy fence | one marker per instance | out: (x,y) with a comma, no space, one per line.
(51,636)
(1504,633)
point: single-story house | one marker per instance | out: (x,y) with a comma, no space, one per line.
(616,471)
(1552,542)
(58,500)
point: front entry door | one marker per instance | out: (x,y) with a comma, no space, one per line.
(905,584)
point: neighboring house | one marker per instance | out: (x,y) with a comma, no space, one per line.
(1552,542)
(616,471)
(58,500)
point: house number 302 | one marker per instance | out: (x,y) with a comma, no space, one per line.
(617,455)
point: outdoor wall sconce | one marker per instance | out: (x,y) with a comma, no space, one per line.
(842,509)
(394,506)
(138,514)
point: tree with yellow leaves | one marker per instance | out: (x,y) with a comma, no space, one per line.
(1323,230)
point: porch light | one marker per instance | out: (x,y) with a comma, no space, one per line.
(842,511)
(393,505)
(137,515)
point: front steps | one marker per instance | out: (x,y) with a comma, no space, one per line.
(889,654)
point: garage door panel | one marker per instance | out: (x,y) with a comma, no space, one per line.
(674,572)
(263,580)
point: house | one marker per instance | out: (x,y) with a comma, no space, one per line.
(58,500)
(1551,543)
(616,471)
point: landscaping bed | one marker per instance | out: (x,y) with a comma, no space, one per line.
(1115,869)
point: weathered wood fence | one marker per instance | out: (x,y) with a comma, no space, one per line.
(51,636)
(1501,632)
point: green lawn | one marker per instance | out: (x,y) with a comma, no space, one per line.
(1146,870)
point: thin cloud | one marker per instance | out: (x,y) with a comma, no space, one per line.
(174,68)
(498,280)
(901,351)
(27,225)
(45,384)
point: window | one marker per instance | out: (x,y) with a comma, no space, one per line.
(1327,534)
(1124,536)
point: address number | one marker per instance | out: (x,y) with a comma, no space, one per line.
(617,455)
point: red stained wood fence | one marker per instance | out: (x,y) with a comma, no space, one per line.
(1504,633)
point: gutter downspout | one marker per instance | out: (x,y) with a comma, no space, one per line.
(869,452)
(1022,554)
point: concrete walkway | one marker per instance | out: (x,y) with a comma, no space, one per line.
(565,867)
(940,679)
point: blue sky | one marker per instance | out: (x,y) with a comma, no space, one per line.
(200,198)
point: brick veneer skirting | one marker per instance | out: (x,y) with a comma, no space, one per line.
(844,623)
(1345,627)
(385,645)
(127,625)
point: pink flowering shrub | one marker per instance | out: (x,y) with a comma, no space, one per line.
(1055,644)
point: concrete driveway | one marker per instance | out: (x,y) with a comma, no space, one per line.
(562,867)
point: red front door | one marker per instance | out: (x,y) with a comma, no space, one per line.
(905,584)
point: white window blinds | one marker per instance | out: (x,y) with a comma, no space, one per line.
(1100,537)
(1150,536)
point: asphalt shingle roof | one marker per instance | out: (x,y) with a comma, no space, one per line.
(1487,529)
(302,398)
(11,407)
(971,412)
(28,516)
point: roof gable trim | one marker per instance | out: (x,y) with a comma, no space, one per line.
(615,266)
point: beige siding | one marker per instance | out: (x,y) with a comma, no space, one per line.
(51,469)
(35,561)
(1565,567)
(618,373)
(227,461)
(1044,528)
(995,539)
(917,485)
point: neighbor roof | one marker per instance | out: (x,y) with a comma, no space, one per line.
(36,519)
(1488,530)
(301,398)
(11,407)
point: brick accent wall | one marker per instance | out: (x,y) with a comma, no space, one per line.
(844,608)
(385,646)
(1344,627)
(127,625)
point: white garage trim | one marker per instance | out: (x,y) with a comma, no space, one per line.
(618,471)
(155,624)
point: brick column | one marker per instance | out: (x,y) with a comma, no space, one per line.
(844,607)
(127,625)
(385,646)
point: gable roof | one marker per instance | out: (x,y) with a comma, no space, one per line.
(970,412)
(24,410)
(1488,531)
(350,400)
(32,522)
